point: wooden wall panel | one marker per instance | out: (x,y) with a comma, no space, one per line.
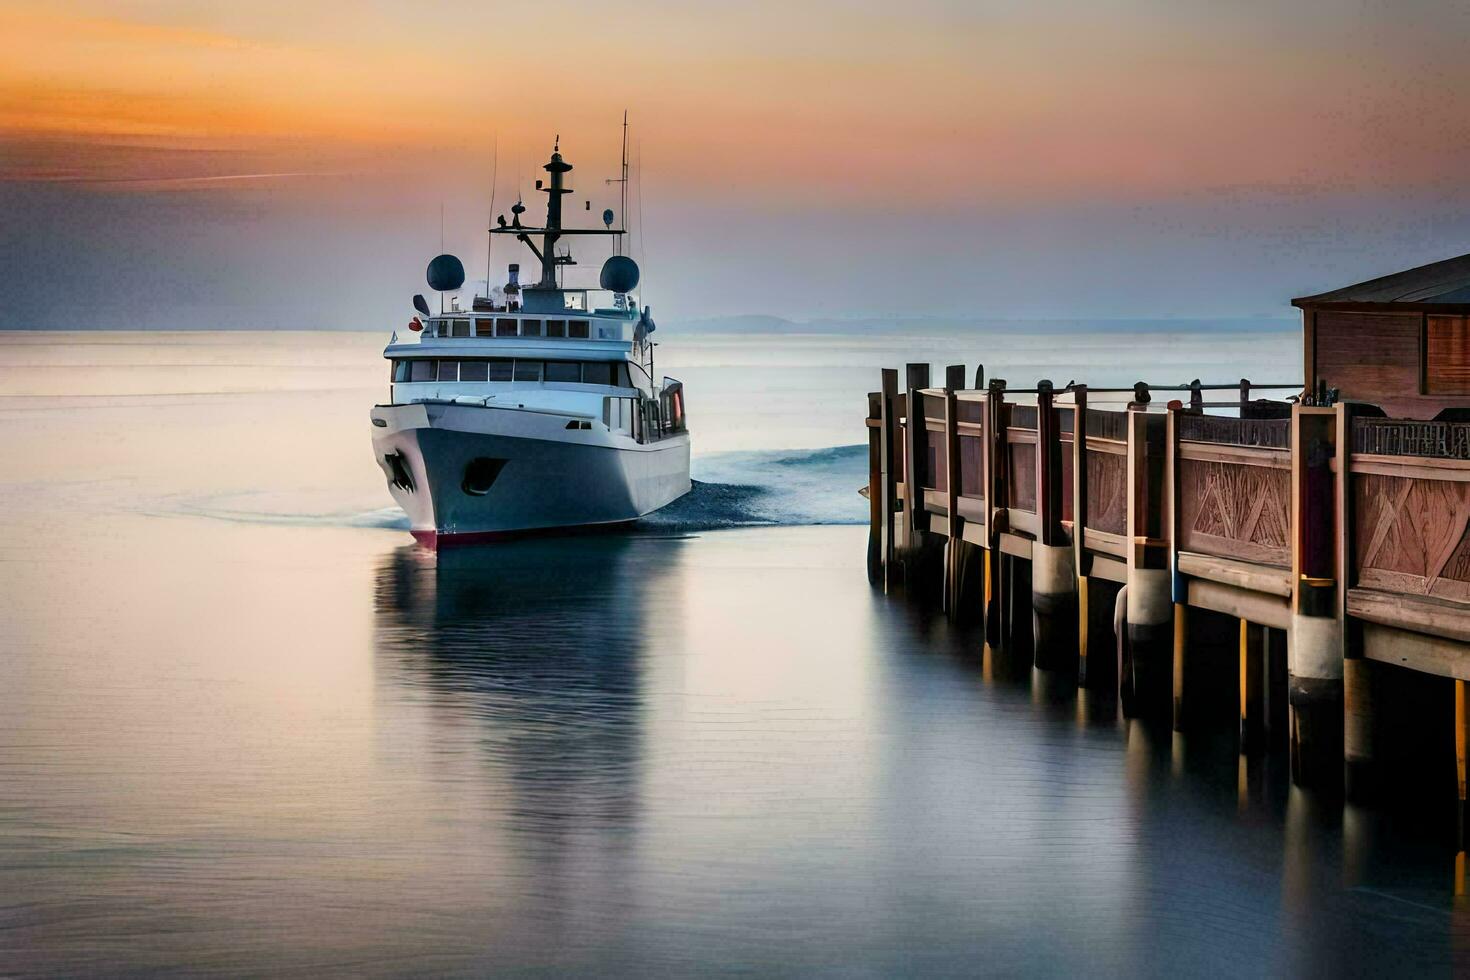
(936,472)
(1023,476)
(972,472)
(1107,491)
(1411,535)
(1066,480)
(1368,356)
(1235,510)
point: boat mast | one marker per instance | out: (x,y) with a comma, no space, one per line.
(558,169)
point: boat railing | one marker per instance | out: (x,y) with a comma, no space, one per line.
(647,418)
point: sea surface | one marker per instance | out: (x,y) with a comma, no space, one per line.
(246,726)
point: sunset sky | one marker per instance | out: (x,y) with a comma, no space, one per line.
(284,164)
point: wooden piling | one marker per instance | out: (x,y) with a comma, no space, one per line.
(889,442)
(1081,562)
(1462,722)
(1053,570)
(1362,753)
(1150,610)
(1316,649)
(1181,651)
(924,556)
(995,496)
(1253,642)
(875,489)
(954,543)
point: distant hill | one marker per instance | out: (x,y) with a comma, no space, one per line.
(764,324)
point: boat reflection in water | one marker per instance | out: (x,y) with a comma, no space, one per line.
(540,645)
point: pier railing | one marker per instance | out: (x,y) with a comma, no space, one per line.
(1278,509)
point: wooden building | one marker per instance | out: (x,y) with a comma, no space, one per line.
(1401,342)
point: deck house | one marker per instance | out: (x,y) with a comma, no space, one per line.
(1400,342)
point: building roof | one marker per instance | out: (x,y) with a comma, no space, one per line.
(1446,282)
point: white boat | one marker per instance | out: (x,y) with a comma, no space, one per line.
(536,408)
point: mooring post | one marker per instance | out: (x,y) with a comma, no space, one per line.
(889,438)
(1177,585)
(1252,688)
(1053,571)
(995,491)
(916,460)
(875,488)
(954,544)
(1245,396)
(1315,658)
(1081,563)
(1150,609)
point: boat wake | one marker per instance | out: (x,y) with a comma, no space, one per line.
(781,487)
(733,489)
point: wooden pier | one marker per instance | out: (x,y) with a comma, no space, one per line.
(1307,555)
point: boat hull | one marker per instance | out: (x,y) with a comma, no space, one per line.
(466,473)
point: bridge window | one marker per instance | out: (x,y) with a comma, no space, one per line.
(448,370)
(530,328)
(473,370)
(498,370)
(461,328)
(421,370)
(505,327)
(528,370)
(400,370)
(578,329)
(563,371)
(598,373)
(484,327)
(556,328)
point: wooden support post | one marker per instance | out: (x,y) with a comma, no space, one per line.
(1363,705)
(919,560)
(1178,588)
(1252,688)
(917,458)
(1316,648)
(888,434)
(1080,559)
(875,488)
(1462,722)
(1150,610)
(1181,648)
(1277,682)
(954,545)
(996,417)
(1245,396)
(1053,571)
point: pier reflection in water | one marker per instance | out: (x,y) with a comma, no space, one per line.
(670,752)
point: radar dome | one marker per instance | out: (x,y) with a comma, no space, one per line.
(445,273)
(620,274)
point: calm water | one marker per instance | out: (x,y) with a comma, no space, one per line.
(247,727)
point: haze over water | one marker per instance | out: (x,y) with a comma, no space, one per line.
(249,727)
